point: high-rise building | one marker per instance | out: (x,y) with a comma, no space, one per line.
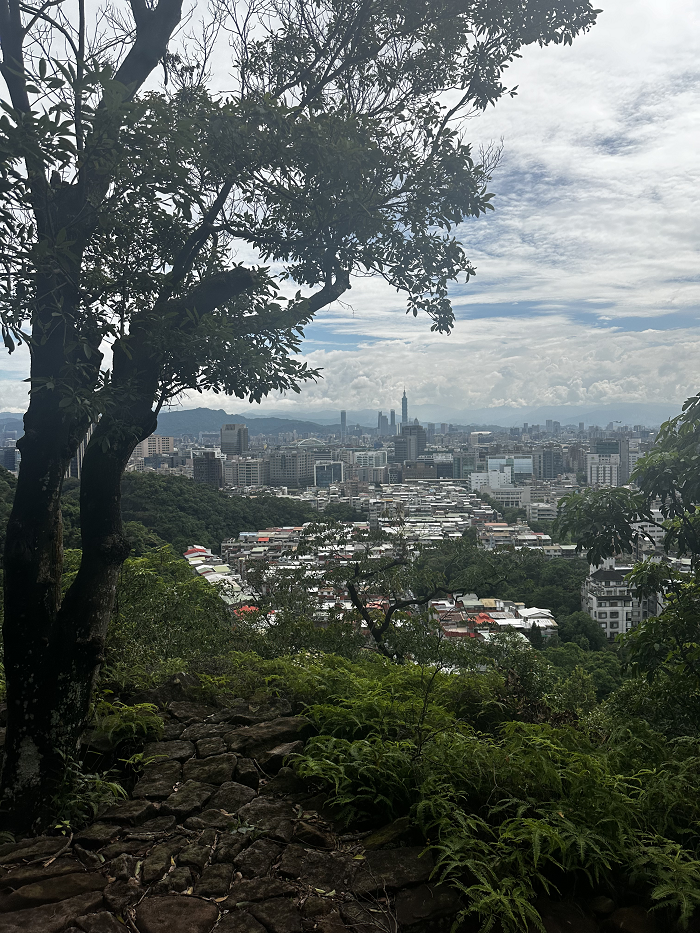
(291,466)
(609,446)
(328,472)
(234,439)
(549,424)
(392,422)
(382,424)
(207,469)
(548,461)
(404,409)
(343,425)
(410,444)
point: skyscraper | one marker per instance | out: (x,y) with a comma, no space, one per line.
(404,409)
(234,439)
(343,425)
(392,421)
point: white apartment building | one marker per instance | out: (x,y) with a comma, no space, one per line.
(154,445)
(541,511)
(603,469)
(608,599)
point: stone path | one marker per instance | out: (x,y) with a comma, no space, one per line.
(219,837)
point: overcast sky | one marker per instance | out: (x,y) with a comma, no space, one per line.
(587,284)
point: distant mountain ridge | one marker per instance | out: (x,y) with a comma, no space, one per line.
(207,420)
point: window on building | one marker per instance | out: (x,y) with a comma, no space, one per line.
(614,625)
(628,616)
(614,615)
(602,615)
(613,602)
(603,602)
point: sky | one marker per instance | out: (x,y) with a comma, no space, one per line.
(587,289)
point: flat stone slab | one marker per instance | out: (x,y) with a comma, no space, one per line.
(231,796)
(215,881)
(240,922)
(51,890)
(272,760)
(210,818)
(211,746)
(176,915)
(31,873)
(97,835)
(184,710)
(187,799)
(176,750)
(247,890)
(278,915)
(218,769)
(30,848)
(322,870)
(275,817)
(52,918)
(100,922)
(392,869)
(204,730)
(246,773)
(131,812)
(158,780)
(253,740)
(257,859)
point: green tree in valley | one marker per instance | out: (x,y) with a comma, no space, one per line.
(123,213)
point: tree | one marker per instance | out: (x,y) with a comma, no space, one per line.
(332,154)
(606,522)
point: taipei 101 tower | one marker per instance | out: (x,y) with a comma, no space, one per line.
(404,409)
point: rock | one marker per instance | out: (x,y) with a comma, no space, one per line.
(30,848)
(215,881)
(131,812)
(257,859)
(179,879)
(309,835)
(212,746)
(331,924)
(158,861)
(21,876)
(185,710)
(366,919)
(197,856)
(564,917)
(87,859)
(630,920)
(176,750)
(178,687)
(320,870)
(426,902)
(257,889)
(388,835)
(123,867)
(100,922)
(176,915)
(205,730)
(240,922)
(207,837)
(317,906)
(187,799)
(172,730)
(215,770)
(272,760)
(247,773)
(158,780)
(253,740)
(121,894)
(231,796)
(275,817)
(97,835)
(131,847)
(601,905)
(218,819)
(278,915)
(161,824)
(51,890)
(284,782)
(228,848)
(52,918)
(392,869)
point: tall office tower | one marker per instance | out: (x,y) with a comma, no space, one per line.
(208,469)
(525,427)
(609,446)
(234,439)
(430,432)
(392,422)
(410,444)
(444,428)
(581,427)
(549,424)
(382,425)
(343,425)
(404,409)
